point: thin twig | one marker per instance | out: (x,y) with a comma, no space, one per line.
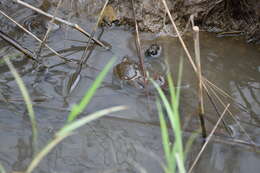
(217,111)
(48,30)
(15,44)
(230,113)
(179,36)
(224,94)
(208,139)
(35,37)
(85,57)
(73,25)
(138,43)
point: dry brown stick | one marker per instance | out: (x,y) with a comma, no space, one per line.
(73,25)
(38,52)
(182,42)
(208,139)
(15,44)
(138,43)
(179,36)
(35,37)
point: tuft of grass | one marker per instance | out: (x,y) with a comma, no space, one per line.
(66,131)
(73,124)
(26,98)
(174,152)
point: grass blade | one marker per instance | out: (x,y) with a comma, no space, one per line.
(2,169)
(66,131)
(26,98)
(44,152)
(165,139)
(80,122)
(78,108)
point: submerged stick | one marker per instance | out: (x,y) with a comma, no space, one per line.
(75,77)
(208,139)
(73,25)
(85,57)
(15,44)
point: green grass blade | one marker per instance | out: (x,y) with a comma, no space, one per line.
(180,163)
(189,144)
(176,150)
(44,152)
(66,131)
(171,89)
(68,128)
(176,124)
(2,169)
(79,108)
(26,98)
(163,97)
(179,82)
(165,139)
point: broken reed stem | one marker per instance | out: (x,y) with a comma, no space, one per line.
(38,52)
(75,76)
(85,57)
(35,37)
(138,44)
(208,139)
(200,88)
(73,25)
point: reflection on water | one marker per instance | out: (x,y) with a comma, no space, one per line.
(114,142)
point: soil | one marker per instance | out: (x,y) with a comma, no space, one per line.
(211,15)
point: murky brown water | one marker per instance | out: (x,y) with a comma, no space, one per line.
(120,141)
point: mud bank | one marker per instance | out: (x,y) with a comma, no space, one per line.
(212,15)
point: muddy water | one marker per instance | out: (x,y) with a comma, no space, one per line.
(123,141)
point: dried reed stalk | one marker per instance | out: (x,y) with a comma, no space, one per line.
(186,50)
(73,25)
(138,43)
(200,88)
(35,37)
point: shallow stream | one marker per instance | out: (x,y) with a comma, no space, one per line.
(123,141)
